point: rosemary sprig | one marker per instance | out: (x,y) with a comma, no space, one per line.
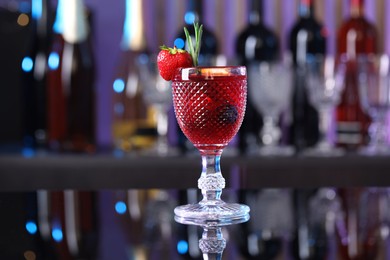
(194,51)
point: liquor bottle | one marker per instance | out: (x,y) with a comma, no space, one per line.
(307,37)
(356,36)
(133,125)
(73,224)
(209,42)
(256,42)
(14,32)
(208,51)
(34,77)
(71,95)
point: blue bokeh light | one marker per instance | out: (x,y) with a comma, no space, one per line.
(179,43)
(182,247)
(53,61)
(189,18)
(120,207)
(119,108)
(28,152)
(27,64)
(118,85)
(57,234)
(24,7)
(31,227)
(36,9)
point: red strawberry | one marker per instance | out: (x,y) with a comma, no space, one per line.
(169,59)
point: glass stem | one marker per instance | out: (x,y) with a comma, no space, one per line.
(325,120)
(212,243)
(211,181)
(378,131)
(162,129)
(270,133)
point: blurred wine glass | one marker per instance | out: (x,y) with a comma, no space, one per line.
(374,93)
(270,88)
(325,83)
(157,93)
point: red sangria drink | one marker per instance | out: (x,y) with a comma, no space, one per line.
(209,105)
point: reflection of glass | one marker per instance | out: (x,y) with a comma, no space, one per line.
(325,82)
(269,91)
(271,224)
(325,218)
(374,92)
(374,226)
(209,105)
(157,94)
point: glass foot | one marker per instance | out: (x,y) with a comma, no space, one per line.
(371,150)
(276,151)
(161,152)
(324,151)
(212,215)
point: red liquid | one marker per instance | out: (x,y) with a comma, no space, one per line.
(356,36)
(210,112)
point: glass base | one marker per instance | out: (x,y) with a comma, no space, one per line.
(161,151)
(212,214)
(276,151)
(324,151)
(371,150)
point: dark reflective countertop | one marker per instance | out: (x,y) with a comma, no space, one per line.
(105,171)
(139,224)
(108,207)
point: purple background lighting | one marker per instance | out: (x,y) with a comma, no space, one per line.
(226,17)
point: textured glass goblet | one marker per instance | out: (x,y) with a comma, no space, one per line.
(209,106)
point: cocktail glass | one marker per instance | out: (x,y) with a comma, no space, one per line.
(374,93)
(270,87)
(325,83)
(209,106)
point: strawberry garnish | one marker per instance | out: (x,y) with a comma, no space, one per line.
(170,59)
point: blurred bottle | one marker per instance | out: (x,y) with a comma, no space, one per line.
(373,229)
(209,42)
(15,33)
(73,224)
(130,207)
(133,124)
(71,76)
(208,52)
(307,37)
(356,36)
(256,42)
(34,77)
(21,237)
(349,235)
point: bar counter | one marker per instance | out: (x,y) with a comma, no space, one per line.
(105,171)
